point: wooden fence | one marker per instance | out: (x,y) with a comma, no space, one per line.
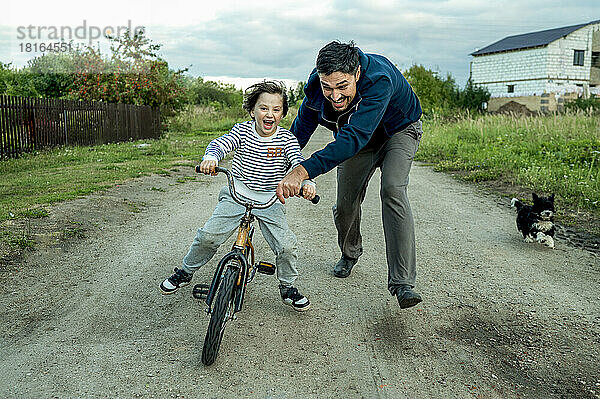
(28,124)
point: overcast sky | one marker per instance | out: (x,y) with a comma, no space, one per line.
(280,39)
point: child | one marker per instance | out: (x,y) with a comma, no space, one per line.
(263,154)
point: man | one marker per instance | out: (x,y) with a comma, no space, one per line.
(375,117)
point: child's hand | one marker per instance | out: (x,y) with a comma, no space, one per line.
(309,191)
(208,167)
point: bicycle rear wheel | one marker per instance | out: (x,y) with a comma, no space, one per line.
(221,312)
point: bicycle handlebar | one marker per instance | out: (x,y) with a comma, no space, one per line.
(218,169)
(315,199)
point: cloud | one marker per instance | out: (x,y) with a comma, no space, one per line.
(239,39)
(257,46)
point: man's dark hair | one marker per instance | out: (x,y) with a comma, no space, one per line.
(338,57)
(267,86)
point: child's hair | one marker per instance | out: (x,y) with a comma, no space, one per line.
(338,57)
(267,86)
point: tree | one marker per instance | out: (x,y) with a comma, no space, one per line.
(214,93)
(51,74)
(296,94)
(435,94)
(133,74)
(473,97)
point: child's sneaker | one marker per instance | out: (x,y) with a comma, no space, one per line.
(291,296)
(180,278)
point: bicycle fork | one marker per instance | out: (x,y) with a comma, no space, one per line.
(241,257)
(234,259)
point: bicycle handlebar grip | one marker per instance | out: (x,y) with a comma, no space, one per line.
(315,199)
(217,169)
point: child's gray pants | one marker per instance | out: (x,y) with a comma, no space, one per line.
(226,219)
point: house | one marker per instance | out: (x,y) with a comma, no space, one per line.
(540,70)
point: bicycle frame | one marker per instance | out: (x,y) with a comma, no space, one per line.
(243,241)
(234,271)
(240,250)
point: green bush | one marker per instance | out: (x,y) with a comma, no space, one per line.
(131,73)
(216,94)
(15,82)
(435,94)
(51,74)
(473,97)
(296,94)
(591,104)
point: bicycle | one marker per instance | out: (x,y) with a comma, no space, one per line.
(224,296)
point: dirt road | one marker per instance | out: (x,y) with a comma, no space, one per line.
(83,318)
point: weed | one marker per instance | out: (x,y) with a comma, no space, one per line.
(73,232)
(35,213)
(185,179)
(134,207)
(16,241)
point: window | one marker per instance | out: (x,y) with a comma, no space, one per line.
(578,57)
(511,88)
(596,59)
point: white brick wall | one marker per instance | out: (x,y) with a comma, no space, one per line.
(561,51)
(535,71)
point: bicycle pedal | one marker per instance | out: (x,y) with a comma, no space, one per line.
(200,291)
(265,268)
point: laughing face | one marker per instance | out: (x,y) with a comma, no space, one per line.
(267,113)
(339,88)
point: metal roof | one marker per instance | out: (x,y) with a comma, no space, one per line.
(530,40)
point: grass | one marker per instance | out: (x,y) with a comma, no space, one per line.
(549,154)
(35,180)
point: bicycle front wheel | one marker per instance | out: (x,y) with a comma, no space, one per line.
(221,312)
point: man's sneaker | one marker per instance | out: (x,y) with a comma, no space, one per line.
(291,296)
(343,267)
(179,279)
(407,297)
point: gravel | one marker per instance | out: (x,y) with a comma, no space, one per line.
(82,316)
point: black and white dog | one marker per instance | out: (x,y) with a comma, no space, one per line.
(536,222)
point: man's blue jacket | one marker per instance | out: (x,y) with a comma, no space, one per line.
(384,104)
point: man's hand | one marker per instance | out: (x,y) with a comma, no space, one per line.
(309,191)
(208,167)
(290,185)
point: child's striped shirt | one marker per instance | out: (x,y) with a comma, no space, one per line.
(259,162)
